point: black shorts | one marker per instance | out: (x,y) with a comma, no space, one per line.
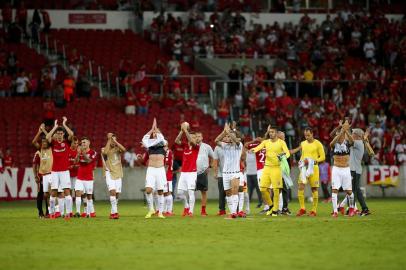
(202,182)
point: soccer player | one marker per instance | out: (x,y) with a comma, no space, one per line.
(154,141)
(73,167)
(312,155)
(42,166)
(86,158)
(341,173)
(188,174)
(260,163)
(60,167)
(203,164)
(232,150)
(287,181)
(111,156)
(272,174)
(168,209)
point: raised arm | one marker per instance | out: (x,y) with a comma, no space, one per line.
(68,130)
(368,146)
(189,137)
(35,140)
(334,131)
(51,133)
(106,148)
(333,142)
(119,145)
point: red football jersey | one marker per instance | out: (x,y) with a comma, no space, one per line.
(190,154)
(169,163)
(73,167)
(177,151)
(259,156)
(85,170)
(60,152)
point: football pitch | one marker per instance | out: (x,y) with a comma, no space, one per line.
(377,241)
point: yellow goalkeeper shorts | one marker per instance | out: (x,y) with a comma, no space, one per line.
(271,175)
(314,179)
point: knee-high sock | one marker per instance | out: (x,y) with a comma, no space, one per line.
(161,203)
(275,200)
(40,198)
(52,201)
(78,202)
(183,197)
(169,203)
(334,201)
(46,206)
(113,202)
(150,202)
(315,196)
(234,199)
(280,205)
(300,196)
(247,202)
(344,202)
(156,203)
(69,204)
(89,207)
(351,200)
(191,200)
(266,197)
(240,201)
(61,202)
(230,203)
(92,207)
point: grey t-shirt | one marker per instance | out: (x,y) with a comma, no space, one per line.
(251,164)
(356,154)
(202,162)
(218,155)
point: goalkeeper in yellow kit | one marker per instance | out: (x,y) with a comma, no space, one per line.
(312,155)
(272,173)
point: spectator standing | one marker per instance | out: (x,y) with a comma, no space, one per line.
(223,113)
(68,88)
(174,67)
(22,84)
(245,122)
(8,159)
(143,100)
(130,157)
(325,176)
(46,20)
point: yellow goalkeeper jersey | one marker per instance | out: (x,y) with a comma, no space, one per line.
(313,150)
(273,149)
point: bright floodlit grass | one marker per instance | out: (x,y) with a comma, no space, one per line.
(257,242)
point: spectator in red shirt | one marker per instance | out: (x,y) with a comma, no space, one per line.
(223,112)
(8,160)
(245,122)
(46,20)
(166,100)
(130,102)
(143,100)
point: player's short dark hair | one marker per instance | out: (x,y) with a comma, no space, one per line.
(85,138)
(60,129)
(308,129)
(75,139)
(274,127)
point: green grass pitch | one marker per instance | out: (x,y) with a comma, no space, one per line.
(257,242)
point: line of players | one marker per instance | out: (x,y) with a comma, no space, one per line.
(63,165)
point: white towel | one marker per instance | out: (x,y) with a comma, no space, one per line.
(310,167)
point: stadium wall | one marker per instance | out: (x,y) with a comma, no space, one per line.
(19,183)
(100,19)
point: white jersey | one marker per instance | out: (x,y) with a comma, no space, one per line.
(232,156)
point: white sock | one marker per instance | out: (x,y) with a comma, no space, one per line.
(266,207)
(78,201)
(68,204)
(56,207)
(161,204)
(235,203)
(61,202)
(191,200)
(113,202)
(240,201)
(334,201)
(230,203)
(247,202)
(156,203)
(355,206)
(170,203)
(84,203)
(92,207)
(351,199)
(280,206)
(344,202)
(150,200)
(89,207)
(52,205)
(182,196)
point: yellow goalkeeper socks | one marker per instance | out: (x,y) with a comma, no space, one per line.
(300,197)
(266,196)
(275,199)
(315,195)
